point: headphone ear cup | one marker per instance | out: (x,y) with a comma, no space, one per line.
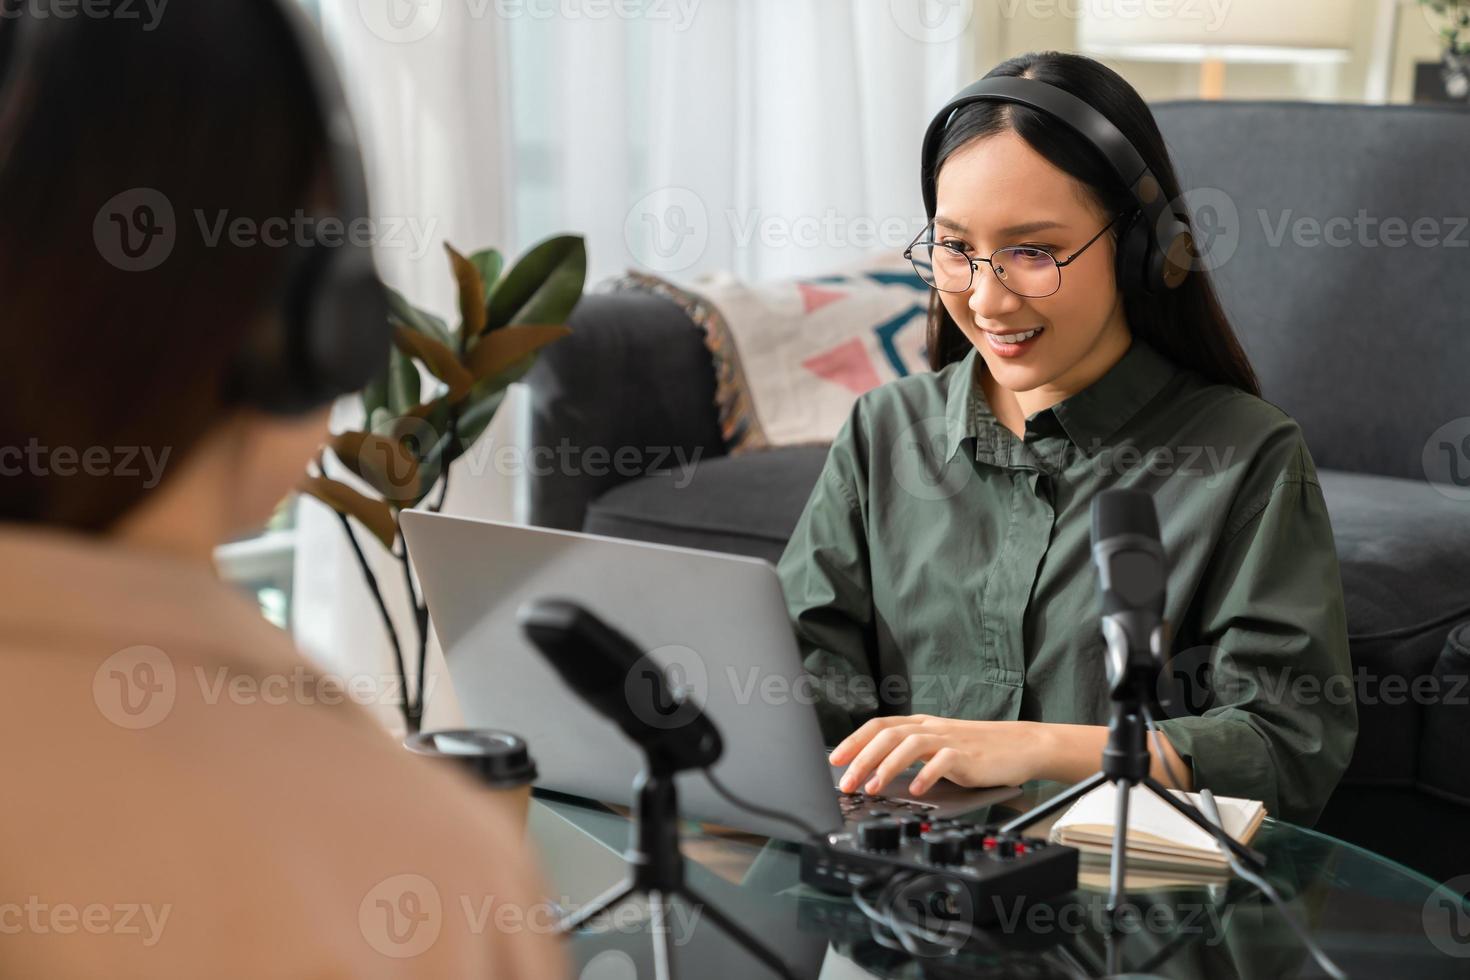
(330,334)
(1172,261)
(348,333)
(271,372)
(1150,270)
(1132,256)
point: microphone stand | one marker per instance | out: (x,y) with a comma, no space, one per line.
(1125,763)
(600,664)
(656,869)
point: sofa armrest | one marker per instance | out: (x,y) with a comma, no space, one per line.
(630,392)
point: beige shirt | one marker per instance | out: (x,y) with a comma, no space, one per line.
(177,797)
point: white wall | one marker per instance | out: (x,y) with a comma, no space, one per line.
(1005,28)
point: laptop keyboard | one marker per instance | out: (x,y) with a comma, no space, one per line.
(857,806)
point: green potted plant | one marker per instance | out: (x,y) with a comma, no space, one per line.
(413,433)
(1451,20)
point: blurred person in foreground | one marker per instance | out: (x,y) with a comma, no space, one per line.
(167,812)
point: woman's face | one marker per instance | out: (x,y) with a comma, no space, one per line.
(997,191)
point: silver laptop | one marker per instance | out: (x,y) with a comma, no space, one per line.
(716,623)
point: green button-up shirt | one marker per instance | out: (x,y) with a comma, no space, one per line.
(943,566)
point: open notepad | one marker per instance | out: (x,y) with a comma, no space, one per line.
(1160,838)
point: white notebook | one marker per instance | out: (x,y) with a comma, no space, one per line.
(1159,837)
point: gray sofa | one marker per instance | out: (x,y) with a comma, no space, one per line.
(1365,342)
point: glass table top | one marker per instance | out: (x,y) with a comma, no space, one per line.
(1373,917)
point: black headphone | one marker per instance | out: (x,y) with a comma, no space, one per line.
(1155,247)
(334,335)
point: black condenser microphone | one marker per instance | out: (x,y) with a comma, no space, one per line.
(1131,576)
(623,683)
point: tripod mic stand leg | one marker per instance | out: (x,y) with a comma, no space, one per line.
(1052,805)
(1116,888)
(1249,857)
(659,907)
(735,932)
(601,903)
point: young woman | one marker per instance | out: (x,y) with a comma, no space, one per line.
(940,578)
(184,796)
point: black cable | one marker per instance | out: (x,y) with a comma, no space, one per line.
(909,934)
(953,930)
(1325,962)
(878,917)
(912,936)
(760,811)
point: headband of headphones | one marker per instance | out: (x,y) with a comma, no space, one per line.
(333,307)
(334,333)
(1166,241)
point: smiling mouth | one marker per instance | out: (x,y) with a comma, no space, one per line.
(1015,338)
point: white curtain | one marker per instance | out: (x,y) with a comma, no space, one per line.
(766,138)
(433,117)
(762,137)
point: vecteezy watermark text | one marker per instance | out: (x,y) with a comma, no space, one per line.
(136,688)
(403,916)
(138,229)
(37,917)
(147,13)
(128,462)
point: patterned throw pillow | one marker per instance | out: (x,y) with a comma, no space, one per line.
(791,356)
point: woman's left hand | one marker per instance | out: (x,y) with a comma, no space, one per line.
(971,753)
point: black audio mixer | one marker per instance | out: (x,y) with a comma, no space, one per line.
(981,870)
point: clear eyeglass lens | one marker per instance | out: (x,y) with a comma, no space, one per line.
(942,267)
(1027,271)
(1024,271)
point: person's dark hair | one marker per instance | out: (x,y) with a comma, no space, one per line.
(1186,324)
(202,110)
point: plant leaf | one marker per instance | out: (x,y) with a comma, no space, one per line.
(441,361)
(385,464)
(379,421)
(372,514)
(405,386)
(478,416)
(501,349)
(471,294)
(418,429)
(375,394)
(417,320)
(544,285)
(433,468)
(490,263)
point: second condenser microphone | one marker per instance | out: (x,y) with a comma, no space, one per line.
(1131,570)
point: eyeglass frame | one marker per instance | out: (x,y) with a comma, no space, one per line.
(908,253)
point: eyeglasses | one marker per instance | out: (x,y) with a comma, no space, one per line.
(1023,269)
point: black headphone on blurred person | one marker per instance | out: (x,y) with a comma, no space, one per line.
(1155,248)
(334,334)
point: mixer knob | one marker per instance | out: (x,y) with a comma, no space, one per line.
(912,826)
(944,847)
(878,834)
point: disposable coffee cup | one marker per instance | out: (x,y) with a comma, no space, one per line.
(499,761)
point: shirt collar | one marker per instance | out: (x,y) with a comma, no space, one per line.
(1089,418)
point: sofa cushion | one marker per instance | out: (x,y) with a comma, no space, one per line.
(1404,551)
(1303,257)
(1442,768)
(792,355)
(1404,547)
(745,505)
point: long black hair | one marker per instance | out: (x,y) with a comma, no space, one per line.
(1186,324)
